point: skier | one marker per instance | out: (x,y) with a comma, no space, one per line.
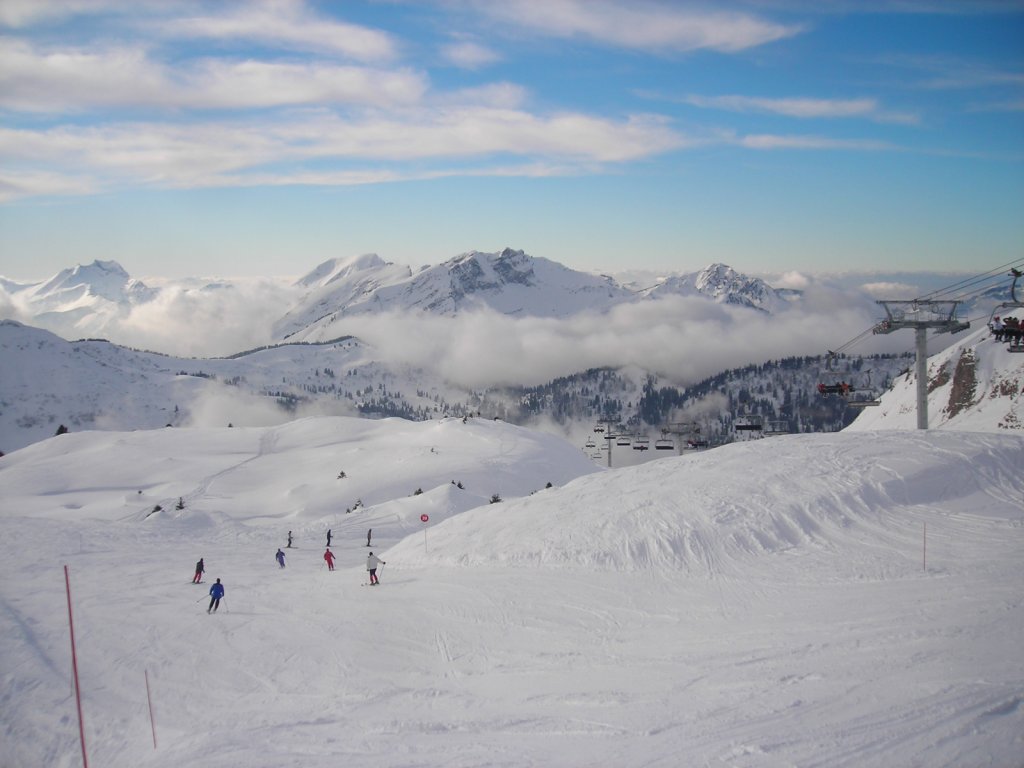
(328,538)
(289,539)
(329,558)
(368,533)
(216,593)
(371,565)
(280,557)
(198,578)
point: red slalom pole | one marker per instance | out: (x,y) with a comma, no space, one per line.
(74,668)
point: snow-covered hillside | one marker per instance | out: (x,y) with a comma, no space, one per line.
(767,603)
(46,382)
(976,384)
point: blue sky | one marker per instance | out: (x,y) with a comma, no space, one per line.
(194,138)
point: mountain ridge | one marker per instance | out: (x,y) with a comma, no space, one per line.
(92,299)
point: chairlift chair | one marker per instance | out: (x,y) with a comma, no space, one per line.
(664,445)
(1016,343)
(748,426)
(854,393)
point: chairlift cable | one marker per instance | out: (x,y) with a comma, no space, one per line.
(991,275)
(996,273)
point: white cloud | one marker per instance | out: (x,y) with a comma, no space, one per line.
(793,279)
(804,107)
(501,95)
(67,79)
(62,79)
(204,323)
(236,153)
(15,184)
(891,290)
(218,406)
(469,55)
(773,141)
(661,26)
(685,339)
(16,14)
(287,24)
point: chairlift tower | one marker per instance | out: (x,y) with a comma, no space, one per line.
(940,316)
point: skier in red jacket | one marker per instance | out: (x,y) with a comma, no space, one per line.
(329,558)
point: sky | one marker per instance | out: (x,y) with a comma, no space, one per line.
(262,138)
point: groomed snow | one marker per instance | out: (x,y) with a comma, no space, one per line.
(762,604)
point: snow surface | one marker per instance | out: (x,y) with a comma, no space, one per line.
(762,604)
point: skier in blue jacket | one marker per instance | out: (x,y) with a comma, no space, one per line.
(216,593)
(280,557)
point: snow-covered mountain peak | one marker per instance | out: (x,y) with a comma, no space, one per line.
(104,279)
(475,271)
(340,269)
(723,283)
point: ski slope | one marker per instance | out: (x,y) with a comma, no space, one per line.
(763,604)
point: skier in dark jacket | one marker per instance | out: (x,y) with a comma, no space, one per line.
(371,565)
(280,557)
(198,578)
(216,593)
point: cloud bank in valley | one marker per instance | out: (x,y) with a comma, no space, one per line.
(684,339)
(219,407)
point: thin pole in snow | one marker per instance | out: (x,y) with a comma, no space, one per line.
(924,548)
(74,669)
(149,698)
